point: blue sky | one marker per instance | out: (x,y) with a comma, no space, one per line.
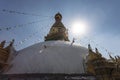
(103,17)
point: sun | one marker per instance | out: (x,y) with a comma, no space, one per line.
(79,28)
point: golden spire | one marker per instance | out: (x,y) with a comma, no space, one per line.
(2,44)
(58,17)
(58,30)
(96,50)
(89,47)
(9,46)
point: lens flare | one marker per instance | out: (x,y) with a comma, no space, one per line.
(79,28)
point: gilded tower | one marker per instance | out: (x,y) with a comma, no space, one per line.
(58,30)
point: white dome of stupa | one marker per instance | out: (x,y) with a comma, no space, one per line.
(49,57)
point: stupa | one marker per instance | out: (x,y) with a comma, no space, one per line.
(55,58)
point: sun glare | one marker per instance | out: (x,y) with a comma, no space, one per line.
(79,28)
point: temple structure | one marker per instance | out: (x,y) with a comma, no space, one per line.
(56,58)
(5,55)
(101,67)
